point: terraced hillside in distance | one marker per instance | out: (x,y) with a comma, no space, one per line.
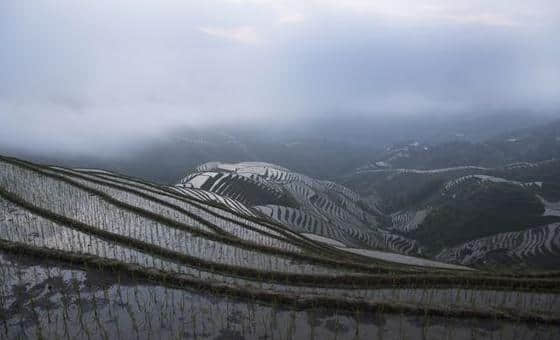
(405,211)
(472,215)
(86,253)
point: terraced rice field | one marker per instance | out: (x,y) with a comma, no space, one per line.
(540,244)
(303,204)
(87,253)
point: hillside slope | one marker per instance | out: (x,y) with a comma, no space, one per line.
(304,204)
(469,206)
(406,211)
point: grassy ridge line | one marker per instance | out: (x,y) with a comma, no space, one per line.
(214,237)
(175,280)
(321,281)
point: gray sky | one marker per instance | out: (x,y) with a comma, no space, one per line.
(73,73)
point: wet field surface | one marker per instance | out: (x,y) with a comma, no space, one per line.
(53,301)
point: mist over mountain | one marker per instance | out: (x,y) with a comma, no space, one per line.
(324,148)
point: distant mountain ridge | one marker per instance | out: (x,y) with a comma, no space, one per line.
(324,148)
(533,144)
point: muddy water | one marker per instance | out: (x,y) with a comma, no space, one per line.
(52,301)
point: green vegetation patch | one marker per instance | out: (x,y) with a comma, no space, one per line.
(481,210)
(551,191)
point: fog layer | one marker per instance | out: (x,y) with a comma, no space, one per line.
(93,76)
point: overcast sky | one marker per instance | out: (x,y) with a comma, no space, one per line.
(74,72)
